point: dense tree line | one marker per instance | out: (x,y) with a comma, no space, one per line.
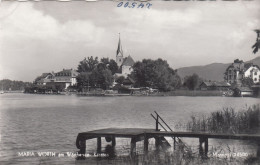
(156,74)
(192,82)
(95,73)
(146,73)
(13,85)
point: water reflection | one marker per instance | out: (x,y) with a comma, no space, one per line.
(110,151)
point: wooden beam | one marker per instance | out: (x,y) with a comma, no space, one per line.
(206,147)
(82,147)
(113,141)
(146,143)
(133,147)
(258,149)
(99,145)
(203,150)
(157,143)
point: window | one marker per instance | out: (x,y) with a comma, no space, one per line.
(255,73)
(255,79)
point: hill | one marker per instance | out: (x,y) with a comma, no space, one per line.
(214,71)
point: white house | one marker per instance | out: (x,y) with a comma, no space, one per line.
(253,72)
(66,76)
(239,70)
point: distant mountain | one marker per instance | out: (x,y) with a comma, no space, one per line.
(214,71)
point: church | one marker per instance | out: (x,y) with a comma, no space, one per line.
(124,63)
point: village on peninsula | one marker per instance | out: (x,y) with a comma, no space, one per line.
(123,76)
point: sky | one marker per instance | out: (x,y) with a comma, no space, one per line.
(38,37)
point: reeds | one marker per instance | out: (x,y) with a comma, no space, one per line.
(228,121)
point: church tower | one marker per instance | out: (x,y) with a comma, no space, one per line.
(119,54)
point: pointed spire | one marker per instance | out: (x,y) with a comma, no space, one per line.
(119,48)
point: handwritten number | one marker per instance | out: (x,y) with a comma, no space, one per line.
(141,5)
(126,4)
(133,4)
(148,5)
(120,4)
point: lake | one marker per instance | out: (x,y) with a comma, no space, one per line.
(50,123)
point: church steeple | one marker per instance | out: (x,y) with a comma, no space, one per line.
(119,53)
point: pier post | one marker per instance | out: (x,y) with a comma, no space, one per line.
(203,150)
(258,150)
(157,143)
(133,147)
(113,141)
(157,122)
(206,147)
(99,145)
(146,143)
(174,143)
(82,149)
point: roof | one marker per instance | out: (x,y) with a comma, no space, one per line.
(44,76)
(244,89)
(245,68)
(128,61)
(215,83)
(250,65)
(119,51)
(128,80)
(67,72)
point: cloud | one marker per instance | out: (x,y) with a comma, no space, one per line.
(27,22)
(28,35)
(184,33)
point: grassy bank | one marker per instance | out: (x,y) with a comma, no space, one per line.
(228,121)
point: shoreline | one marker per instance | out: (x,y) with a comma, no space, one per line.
(194,93)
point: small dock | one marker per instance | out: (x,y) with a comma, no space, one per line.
(144,134)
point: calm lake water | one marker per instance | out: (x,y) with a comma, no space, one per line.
(38,123)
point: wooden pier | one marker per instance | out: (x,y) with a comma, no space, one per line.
(138,134)
(143,134)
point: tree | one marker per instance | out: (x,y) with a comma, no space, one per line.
(192,82)
(83,80)
(88,64)
(101,77)
(247,82)
(155,74)
(120,79)
(13,85)
(110,64)
(256,46)
(113,66)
